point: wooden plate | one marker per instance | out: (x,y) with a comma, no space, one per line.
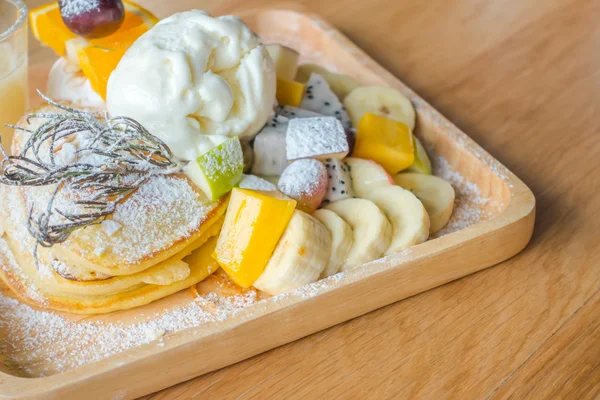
(504,230)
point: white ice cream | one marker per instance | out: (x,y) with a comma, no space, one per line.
(67,83)
(193,80)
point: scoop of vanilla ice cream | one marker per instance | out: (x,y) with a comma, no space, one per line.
(192,80)
(67,83)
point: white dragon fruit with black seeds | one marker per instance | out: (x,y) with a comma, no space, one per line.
(319,98)
(317,137)
(295,112)
(339,186)
(269,148)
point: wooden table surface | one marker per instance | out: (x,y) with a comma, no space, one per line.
(522,78)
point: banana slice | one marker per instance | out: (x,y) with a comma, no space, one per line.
(436,194)
(409,218)
(285,60)
(339,83)
(341,240)
(372,232)
(367,176)
(381,100)
(422,162)
(299,257)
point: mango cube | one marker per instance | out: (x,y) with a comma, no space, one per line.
(385,141)
(289,93)
(254,222)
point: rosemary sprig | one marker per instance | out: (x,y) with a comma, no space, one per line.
(115,157)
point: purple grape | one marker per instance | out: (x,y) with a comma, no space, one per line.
(92,18)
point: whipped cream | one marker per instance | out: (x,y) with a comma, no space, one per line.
(66,82)
(193,81)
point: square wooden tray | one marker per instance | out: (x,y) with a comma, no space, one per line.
(182,355)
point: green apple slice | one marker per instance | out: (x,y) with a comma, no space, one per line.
(217,171)
(422,164)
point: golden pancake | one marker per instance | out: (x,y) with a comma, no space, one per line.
(164,217)
(23,279)
(158,241)
(164,273)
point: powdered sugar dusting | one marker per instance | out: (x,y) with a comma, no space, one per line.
(256,183)
(314,137)
(470,206)
(303,178)
(32,338)
(71,8)
(161,202)
(226,159)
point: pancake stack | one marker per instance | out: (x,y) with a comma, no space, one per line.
(158,241)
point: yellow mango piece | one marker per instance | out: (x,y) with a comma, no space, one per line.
(385,141)
(289,93)
(254,222)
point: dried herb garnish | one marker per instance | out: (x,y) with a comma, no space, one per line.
(114,158)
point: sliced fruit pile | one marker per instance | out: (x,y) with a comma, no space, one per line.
(96,57)
(306,209)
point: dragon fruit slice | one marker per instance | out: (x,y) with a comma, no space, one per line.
(269,148)
(339,186)
(295,112)
(317,137)
(320,98)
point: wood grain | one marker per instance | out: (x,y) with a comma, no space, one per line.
(523,80)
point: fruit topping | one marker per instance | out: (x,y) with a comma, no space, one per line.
(101,57)
(92,18)
(320,98)
(289,93)
(339,186)
(339,83)
(436,194)
(422,164)
(285,61)
(380,100)
(256,183)
(269,148)
(218,170)
(306,182)
(253,225)
(319,137)
(96,57)
(299,258)
(341,240)
(388,142)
